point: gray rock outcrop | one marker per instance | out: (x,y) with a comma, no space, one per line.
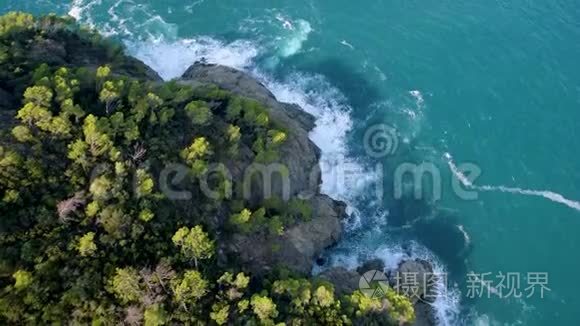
(300,244)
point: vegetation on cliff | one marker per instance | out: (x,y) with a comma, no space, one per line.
(88,234)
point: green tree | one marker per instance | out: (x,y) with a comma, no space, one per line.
(220,313)
(22,134)
(35,115)
(38,95)
(103,72)
(125,285)
(277,137)
(15,20)
(194,243)
(101,188)
(196,154)
(155,315)
(242,217)
(145,183)
(87,246)
(234,134)
(96,137)
(146,215)
(92,209)
(264,308)
(198,112)
(110,94)
(190,288)
(22,279)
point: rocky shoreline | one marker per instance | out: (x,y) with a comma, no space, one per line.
(303,243)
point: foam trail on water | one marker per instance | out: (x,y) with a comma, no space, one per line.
(345,43)
(547,194)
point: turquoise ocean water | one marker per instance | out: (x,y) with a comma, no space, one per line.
(492,83)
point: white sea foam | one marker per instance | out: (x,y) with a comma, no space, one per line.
(343,177)
(418,96)
(547,194)
(298,33)
(78,10)
(171,59)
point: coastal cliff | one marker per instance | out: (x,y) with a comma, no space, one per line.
(127,199)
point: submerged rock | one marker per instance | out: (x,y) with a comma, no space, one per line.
(445,237)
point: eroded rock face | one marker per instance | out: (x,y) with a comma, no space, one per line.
(375,264)
(345,282)
(297,249)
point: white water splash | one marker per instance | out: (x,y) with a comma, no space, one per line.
(547,194)
(171,59)
(297,34)
(79,8)
(418,96)
(76,9)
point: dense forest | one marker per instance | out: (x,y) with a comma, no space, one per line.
(87,234)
